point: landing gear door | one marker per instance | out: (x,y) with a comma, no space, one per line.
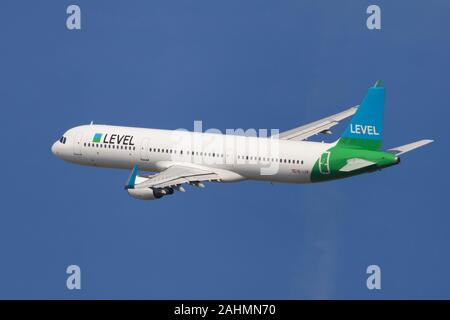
(324,163)
(144,151)
(77,144)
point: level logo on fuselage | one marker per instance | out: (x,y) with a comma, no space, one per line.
(123,139)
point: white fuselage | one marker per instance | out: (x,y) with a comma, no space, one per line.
(233,157)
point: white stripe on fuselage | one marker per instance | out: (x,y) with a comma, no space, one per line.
(123,147)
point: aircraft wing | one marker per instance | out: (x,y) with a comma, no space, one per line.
(322,125)
(355,164)
(174,176)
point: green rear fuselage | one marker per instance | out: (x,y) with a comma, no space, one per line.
(330,163)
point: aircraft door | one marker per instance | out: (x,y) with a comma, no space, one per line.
(324,163)
(78,137)
(144,151)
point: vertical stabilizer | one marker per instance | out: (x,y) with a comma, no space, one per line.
(366,126)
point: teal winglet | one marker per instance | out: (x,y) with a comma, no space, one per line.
(132,179)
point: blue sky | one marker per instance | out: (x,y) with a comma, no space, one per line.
(231,64)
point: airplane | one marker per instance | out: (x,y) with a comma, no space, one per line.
(175,158)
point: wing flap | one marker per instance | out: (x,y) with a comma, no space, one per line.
(176,175)
(181,180)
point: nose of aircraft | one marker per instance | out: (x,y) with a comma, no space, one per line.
(54,148)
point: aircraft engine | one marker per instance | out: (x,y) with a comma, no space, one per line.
(146,193)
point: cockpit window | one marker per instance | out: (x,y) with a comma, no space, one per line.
(63,140)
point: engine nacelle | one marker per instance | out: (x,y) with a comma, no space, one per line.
(145,193)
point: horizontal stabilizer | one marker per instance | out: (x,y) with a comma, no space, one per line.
(408,147)
(355,164)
